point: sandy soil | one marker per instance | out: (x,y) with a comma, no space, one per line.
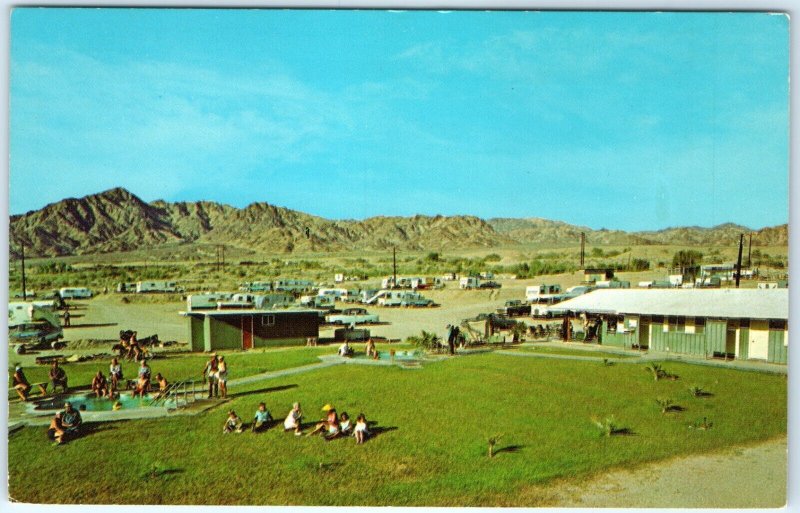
(748,477)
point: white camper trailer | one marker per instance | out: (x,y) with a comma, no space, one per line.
(75,293)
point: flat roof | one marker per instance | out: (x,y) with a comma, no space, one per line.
(726,303)
(243,311)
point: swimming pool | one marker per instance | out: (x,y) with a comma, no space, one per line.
(93,403)
(409,355)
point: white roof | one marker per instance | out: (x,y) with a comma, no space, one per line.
(725,303)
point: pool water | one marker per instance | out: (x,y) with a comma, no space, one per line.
(398,356)
(93,403)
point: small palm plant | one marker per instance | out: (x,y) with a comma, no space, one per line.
(656,370)
(702,425)
(492,442)
(609,427)
(696,391)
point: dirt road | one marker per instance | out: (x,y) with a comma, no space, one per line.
(749,477)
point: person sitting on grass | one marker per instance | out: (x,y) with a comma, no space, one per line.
(115,373)
(361,432)
(58,377)
(329,425)
(344,424)
(65,425)
(292,422)
(21,385)
(261,419)
(233,424)
(99,384)
(344,428)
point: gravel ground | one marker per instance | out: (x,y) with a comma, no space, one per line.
(744,477)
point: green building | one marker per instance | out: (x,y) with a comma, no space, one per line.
(210,330)
(747,324)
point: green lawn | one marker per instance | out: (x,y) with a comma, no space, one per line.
(432,451)
(574,352)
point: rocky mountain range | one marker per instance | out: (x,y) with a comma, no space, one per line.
(117,220)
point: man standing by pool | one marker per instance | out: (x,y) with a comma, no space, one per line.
(211,371)
(65,424)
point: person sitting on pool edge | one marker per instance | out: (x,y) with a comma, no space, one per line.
(232,424)
(58,377)
(143,384)
(345,350)
(21,385)
(65,425)
(115,373)
(162,385)
(261,419)
(99,384)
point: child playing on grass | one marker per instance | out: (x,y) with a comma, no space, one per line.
(261,418)
(328,426)
(232,424)
(361,432)
(345,426)
(292,421)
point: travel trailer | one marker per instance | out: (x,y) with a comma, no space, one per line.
(144,287)
(75,293)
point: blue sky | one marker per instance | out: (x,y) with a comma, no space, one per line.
(617,120)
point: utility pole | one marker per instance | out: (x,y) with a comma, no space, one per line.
(583,247)
(24,291)
(749,251)
(739,260)
(394,266)
(223,256)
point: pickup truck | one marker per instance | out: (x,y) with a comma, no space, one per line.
(514,308)
(352,316)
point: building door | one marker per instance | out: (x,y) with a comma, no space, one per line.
(644,332)
(759,340)
(730,338)
(247,332)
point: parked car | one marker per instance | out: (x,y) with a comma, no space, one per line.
(489,285)
(514,308)
(352,316)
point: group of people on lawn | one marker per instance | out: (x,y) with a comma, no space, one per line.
(330,427)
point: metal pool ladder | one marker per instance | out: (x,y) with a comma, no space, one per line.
(185,389)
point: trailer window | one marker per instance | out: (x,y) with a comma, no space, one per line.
(268,320)
(777,324)
(699,325)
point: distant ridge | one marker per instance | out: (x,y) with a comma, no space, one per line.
(117,220)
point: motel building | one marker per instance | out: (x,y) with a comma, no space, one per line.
(745,324)
(210,330)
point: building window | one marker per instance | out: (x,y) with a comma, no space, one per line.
(268,320)
(681,324)
(672,320)
(699,325)
(658,319)
(777,324)
(611,325)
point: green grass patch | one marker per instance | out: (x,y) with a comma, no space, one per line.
(433,448)
(574,352)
